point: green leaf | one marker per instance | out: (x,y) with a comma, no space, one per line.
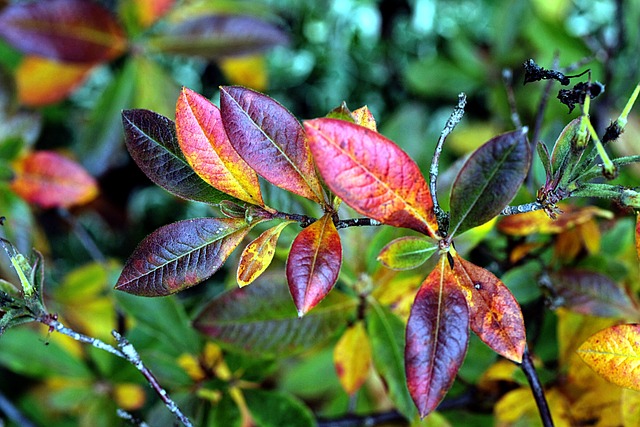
(386,332)
(99,144)
(164,319)
(22,350)
(261,319)
(152,142)
(226,413)
(276,409)
(180,255)
(407,253)
(489,180)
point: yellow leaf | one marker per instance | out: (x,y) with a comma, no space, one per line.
(129,397)
(630,408)
(614,353)
(249,71)
(518,408)
(352,357)
(42,81)
(258,254)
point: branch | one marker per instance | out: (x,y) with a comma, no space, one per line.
(363,420)
(357,222)
(527,207)
(536,387)
(454,119)
(125,351)
(13,413)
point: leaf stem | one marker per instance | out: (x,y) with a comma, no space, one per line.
(454,119)
(125,351)
(536,387)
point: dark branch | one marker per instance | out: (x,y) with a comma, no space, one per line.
(536,387)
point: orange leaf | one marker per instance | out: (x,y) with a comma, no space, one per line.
(495,315)
(314,263)
(538,221)
(49,179)
(42,81)
(258,254)
(352,357)
(371,174)
(614,353)
(206,147)
(249,71)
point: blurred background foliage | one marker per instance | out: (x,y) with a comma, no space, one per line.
(406,59)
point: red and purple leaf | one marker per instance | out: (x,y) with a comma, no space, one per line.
(489,180)
(206,147)
(495,315)
(65,30)
(271,140)
(437,338)
(371,174)
(219,36)
(314,263)
(153,145)
(180,255)
(49,180)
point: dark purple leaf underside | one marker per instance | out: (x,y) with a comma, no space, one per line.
(489,180)
(180,255)
(152,143)
(217,36)
(437,338)
(64,30)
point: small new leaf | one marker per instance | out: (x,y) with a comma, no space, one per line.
(371,174)
(489,180)
(614,353)
(314,263)
(180,255)
(437,338)
(258,254)
(406,253)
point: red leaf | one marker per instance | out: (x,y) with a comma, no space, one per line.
(495,314)
(66,30)
(206,147)
(437,338)
(371,174)
(271,140)
(314,263)
(49,180)
(180,255)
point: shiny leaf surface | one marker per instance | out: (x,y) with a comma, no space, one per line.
(66,30)
(437,338)
(206,147)
(260,319)
(180,255)
(488,180)
(406,253)
(352,358)
(217,36)
(49,180)
(614,353)
(314,263)
(495,315)
(371,174)
(271,140)
(151,141)
(258,254)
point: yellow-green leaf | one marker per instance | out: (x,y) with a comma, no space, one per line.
(406,253)
(614,353)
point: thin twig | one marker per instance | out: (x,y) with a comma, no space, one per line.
(454,119)
(536,387)
(127,352)
(507,78)
(132,420)
(133,357)
(527,207)
(82,235)
(13,413)
(357,222)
